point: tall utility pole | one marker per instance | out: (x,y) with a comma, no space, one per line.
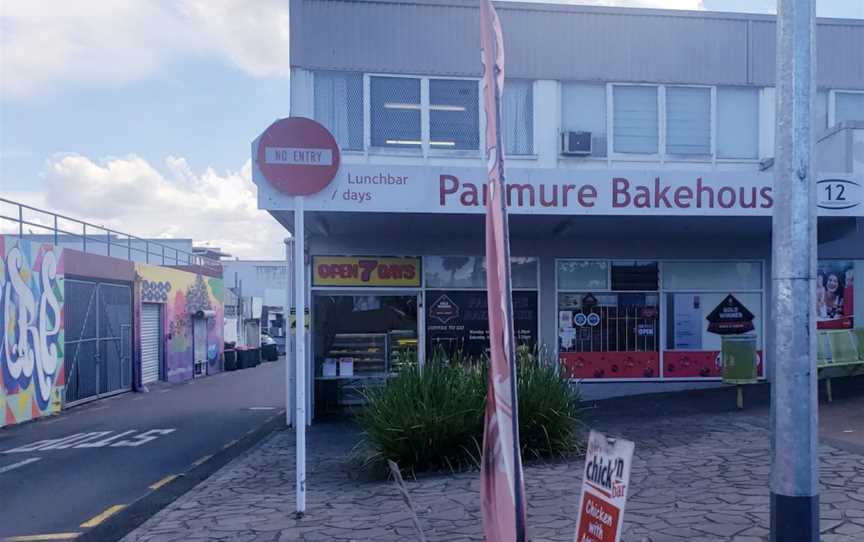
(794,398)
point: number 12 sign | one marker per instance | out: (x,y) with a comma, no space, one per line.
(604,489)
(839,192)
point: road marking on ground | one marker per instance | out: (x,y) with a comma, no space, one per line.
(166,390)
(229,444)
(201,460)
(54,419)
(14,466)
(40,537)
(94,439)
(262,408)
(99,518)
(163,481)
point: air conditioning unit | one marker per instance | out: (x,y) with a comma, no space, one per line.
(576,143)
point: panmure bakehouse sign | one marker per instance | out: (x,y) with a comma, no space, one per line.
(439,189)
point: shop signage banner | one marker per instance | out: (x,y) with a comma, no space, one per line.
(604,489)
(439,189)
(364,271)
(459,320)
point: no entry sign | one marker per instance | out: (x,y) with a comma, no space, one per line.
(604,489)
(298,156)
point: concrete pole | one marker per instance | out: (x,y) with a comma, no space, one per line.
(300,360)
(794,401)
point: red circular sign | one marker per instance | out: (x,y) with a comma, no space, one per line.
(298,156)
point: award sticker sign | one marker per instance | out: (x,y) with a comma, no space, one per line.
(604,489)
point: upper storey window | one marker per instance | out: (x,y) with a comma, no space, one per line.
(413,112)
(848,106)
(339,106)
(682,121)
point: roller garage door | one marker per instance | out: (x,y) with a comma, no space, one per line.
(151,341)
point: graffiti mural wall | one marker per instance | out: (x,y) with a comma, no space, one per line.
(184,294)
(31,330)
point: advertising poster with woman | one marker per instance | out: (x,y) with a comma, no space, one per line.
(835,286)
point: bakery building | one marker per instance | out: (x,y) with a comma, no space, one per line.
(639,149)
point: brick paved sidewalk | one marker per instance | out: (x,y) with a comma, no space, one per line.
(695,478)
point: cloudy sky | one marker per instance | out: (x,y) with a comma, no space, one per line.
(138,114)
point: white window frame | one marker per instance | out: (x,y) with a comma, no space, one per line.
(832,103)
(425,150)
(662,156)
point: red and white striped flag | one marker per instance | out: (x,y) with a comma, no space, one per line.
(502,492)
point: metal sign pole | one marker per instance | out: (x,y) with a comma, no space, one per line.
(300,350)
(794,394)
(290,305)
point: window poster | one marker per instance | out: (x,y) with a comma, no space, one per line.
(687,312)
(835,294)
(458,320)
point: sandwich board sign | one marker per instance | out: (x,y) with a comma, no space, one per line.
(604,489)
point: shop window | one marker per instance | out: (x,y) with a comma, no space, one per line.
(738,122)
(470,272)
(712,275)
(583,109)
(583,275)
(717,300)
(457,321)
(358,341)
(517,117)
(699,322)
(609,334)
(636,123)
(395,112)
(688,121)
(339,106)
(454,117)
(848,107)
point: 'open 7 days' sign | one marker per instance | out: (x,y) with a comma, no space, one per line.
(604,489)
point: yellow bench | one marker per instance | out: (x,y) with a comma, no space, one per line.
(839,348)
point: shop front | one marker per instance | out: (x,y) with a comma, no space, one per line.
(631,281)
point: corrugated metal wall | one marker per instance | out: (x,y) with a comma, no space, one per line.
(547,41)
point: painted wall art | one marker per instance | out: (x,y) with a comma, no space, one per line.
(31,330)
(184,294)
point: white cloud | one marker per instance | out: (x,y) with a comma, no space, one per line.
(130,195)
(51,42)
(254,35)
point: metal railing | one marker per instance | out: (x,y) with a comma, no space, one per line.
(70,232)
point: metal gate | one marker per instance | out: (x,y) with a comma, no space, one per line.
(151,341)
(98,355)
